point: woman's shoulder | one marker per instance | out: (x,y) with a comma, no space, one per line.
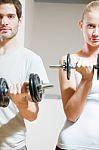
(74,57)
(75,54)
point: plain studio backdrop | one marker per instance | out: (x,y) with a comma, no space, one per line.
(51,30)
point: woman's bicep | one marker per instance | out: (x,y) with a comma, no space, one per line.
(67,87)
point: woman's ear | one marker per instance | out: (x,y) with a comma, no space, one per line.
(81,24)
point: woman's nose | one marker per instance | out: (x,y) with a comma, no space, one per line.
(96,31)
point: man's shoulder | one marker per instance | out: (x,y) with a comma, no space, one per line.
(30,53)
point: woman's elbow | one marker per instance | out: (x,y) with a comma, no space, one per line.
(71,119)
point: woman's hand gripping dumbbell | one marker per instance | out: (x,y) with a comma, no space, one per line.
(80,64)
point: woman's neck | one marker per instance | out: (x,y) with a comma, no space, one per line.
(88,50)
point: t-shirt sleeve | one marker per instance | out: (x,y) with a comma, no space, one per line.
(37,67)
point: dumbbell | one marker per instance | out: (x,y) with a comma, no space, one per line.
(4,97)
(36,88)
(67,66)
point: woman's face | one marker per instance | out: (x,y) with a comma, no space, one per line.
(90,28)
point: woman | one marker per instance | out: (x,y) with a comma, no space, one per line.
(80,94)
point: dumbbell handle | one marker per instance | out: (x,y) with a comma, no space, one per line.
(45,86)
(71,66)
(56,66)
(64,66)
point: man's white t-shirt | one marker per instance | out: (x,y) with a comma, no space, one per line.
(16,67)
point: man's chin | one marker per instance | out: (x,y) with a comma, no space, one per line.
(5,38)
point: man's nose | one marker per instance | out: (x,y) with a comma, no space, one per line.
(4,21)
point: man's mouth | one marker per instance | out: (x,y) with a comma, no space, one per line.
(4,29)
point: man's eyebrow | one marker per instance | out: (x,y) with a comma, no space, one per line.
(11,14)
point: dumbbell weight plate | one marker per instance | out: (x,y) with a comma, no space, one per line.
(98,67)
(4,98)
(68,67)
(35,88)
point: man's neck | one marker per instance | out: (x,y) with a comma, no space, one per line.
(8,45)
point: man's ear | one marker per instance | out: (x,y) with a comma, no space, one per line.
(20,20)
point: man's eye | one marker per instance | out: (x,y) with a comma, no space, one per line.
(11,16)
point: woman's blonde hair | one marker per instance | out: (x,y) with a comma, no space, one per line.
(93,5)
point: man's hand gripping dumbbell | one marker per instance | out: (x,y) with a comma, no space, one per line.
(35,87)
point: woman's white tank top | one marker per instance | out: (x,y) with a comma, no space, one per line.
(84,133)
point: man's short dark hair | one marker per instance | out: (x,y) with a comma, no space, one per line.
(16,3)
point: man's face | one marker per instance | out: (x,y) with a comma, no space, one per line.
(9,21)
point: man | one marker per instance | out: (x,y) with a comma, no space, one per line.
(16,64)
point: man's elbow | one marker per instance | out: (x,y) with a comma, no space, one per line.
(34,110)
(32,117)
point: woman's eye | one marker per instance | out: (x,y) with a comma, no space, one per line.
(91,26)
